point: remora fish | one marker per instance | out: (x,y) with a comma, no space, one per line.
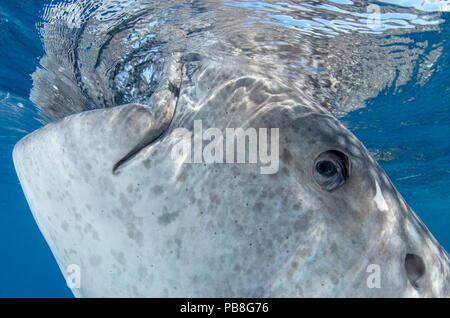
(108,195)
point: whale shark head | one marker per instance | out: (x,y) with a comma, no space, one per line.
(227,182)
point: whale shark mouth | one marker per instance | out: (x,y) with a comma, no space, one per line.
(102,54)
(162,104)
(136,77)
(98,80)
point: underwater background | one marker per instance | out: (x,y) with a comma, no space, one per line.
(406,127)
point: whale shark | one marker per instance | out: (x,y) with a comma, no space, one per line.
(116,193)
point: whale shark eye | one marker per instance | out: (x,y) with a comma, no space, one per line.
(326,168)
(331,169)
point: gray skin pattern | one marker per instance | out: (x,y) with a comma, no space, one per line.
(158,227)
(109,197)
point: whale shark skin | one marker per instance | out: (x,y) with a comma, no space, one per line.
(109,197)
(161,227)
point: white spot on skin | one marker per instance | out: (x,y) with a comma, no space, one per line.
(379,199)
(305,200)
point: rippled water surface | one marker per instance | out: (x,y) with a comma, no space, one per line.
(381,67)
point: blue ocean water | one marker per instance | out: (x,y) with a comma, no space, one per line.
(407,130)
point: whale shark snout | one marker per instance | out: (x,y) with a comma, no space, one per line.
(327,223)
